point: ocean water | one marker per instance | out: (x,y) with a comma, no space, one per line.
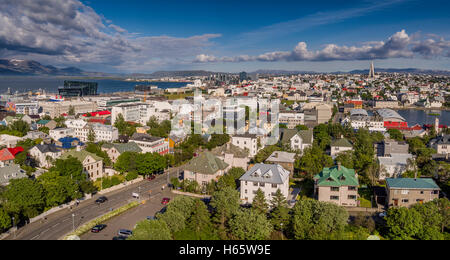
(422,117)
(51,84)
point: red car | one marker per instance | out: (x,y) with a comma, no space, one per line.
(165,201)
(151,177)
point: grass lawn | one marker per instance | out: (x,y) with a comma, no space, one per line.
(365,197)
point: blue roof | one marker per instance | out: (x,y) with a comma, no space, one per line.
(67,142)
(411,183)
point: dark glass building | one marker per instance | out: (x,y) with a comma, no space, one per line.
(78,89)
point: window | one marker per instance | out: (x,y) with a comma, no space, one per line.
(262,184)
(351,188)
(334,197)
(405,192)
(255,184)
(405,200)
(351,197)
(334,188)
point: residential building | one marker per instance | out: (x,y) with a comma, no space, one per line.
(204,169)
(337,185)
(285,159)
(81,128)
(115,150)
(50,124)
(232,155)
(291,120)
(268,177)
(9,140)
(7,155)
(339,146)
(59,133)
(45,154)
(297,140)
(150,144)
(405,192)
(11,172)
(246,141)
(92,164)
(68,143)
(441,144)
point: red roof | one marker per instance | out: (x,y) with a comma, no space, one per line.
(97,120)
(101,113)
(6,155)
(15,151)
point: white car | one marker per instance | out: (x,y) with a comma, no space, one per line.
(382,214)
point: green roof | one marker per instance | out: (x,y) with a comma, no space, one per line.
(236,151)
(122,148)
(411,183)
(337,176)
(206,163)
(43,122)
(306,135)
(81,155)
(343,142)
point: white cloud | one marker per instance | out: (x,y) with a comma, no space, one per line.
(68,32)
(399,45)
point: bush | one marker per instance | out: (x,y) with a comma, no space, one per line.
(132,176)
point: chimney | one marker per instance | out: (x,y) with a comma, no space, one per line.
(415,175)
(339,166)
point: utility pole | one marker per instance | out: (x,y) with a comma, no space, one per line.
(14,224)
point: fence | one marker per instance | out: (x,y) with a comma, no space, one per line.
(120,186)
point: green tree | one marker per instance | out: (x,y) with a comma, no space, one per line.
(346,159)
(313,161)
(403,223)
(71,111)
(265,153)
(126,162)
(70,167)
(121,125)
(151,230)
(24,197)
(91,135)
(249,224)
(226,202)
(259,202)
(395,134)
(5,220)
(302,128)
(231,179)
(20,126)
(58,189)
(316,220)
(200,220)
(44,129)
(280,212)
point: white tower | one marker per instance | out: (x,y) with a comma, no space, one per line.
(372,71)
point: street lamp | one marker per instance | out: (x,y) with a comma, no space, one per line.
(14,227)
(73,222)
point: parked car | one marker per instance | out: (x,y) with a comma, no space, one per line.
(120,238)
(151,177)
(125,232)
(101,200)
(98,228)
(165,201)
(151,218)
(383,214)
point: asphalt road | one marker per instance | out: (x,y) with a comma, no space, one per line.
(129,219)
(61,223)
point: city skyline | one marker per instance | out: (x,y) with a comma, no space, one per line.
(137,37)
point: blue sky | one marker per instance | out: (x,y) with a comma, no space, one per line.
(145,36)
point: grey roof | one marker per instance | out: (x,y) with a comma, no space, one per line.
(144,138)
(343,142)
(10,172)
(389,113)
(121,148)
(46,148)
(410,183)
(358,112)
(444,139)
(206,163)
(283,157)
(266,173)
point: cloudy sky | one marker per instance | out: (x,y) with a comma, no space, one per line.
(246,35)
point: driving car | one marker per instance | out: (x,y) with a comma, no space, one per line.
(165,201)
(101,200)
(125,232)
(98,228)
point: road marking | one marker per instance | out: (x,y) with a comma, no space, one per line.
(35,237)
(56,225)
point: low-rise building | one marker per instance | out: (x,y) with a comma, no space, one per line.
(405,192)
(297,140)
(233,156)
(92,164)
(246,142)
(268,177)
(115,150)
(45,154)
(59,133)
(285,159)
(204,169)
(150,144)
(337,185)
(339,146)
(11,172)
(441,144)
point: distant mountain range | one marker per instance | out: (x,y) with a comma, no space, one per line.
(14,67)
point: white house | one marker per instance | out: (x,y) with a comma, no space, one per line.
(297,140)
(59,133)
(246,141)
(267,177)
(45,154)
